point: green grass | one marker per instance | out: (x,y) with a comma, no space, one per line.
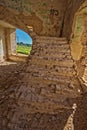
(23,49)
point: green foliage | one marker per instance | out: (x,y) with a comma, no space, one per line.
(23,49)
(26,44)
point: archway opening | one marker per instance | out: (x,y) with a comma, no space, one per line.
(24,42)
(15,44)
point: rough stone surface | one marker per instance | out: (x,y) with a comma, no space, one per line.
(39,95)
(55,18)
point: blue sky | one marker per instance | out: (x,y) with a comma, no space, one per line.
(21,36)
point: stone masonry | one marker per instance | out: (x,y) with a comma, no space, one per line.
(39,94)
(44,89)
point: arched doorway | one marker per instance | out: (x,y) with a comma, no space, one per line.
(24,42)
(9,43)
(20,20)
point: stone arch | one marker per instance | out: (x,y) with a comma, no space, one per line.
(8,42)
(21,20)
(79,44)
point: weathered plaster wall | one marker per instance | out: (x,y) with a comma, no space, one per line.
(76,49)
(51,18)
(72,8)
(46,17)
(82,63)
(77,37)
(78,43)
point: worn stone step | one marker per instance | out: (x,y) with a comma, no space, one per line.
(59,79)
(48,67)
(41,107)
(51,38)
(54,57)
(47,62)
(51,76)
(54,72)
(48,95)
(52,51)
(51,45)
(51,54)
(43,42)
(35,82)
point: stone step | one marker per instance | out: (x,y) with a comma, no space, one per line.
(57,72)
(49,73)
(51,77)
(41,82)
(47,62)
(51,38)
(59,76)
(50,69)
(54,57)
(51,51)
(38,86)
(55,43)
(59,79)
(46,94)
(40,108)
(51,45)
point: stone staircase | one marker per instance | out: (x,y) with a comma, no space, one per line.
(49,75)
(42,95)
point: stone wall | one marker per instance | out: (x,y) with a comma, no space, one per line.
(49,15)
(82,62)
(55,18)
(78,44)
(72,8)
